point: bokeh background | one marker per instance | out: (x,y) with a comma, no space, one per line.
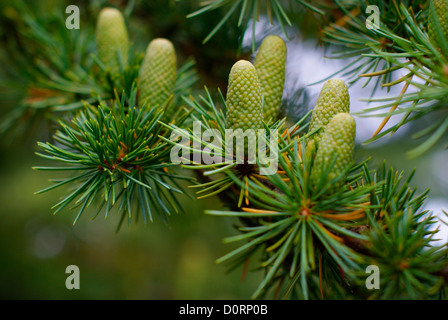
(177,261)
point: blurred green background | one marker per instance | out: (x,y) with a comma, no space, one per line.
(153,261)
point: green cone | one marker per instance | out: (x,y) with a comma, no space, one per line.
(441,11)
(244,100)
(244,106)
(337,142)
(333,99)
(112,39)
(270,64)
(158,74)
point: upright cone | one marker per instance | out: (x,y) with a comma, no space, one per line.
(270,64)
(333,99)
(438,24)
(158,74)
(244,100)
(112,39)
(244,112)
(337,144)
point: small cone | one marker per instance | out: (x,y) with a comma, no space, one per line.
(158,74)
(337,144)
(244,100)
(112,39)
(438,34)
(244,106)
(270,64)
(333,99)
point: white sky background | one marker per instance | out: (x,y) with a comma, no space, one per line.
(306,64)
